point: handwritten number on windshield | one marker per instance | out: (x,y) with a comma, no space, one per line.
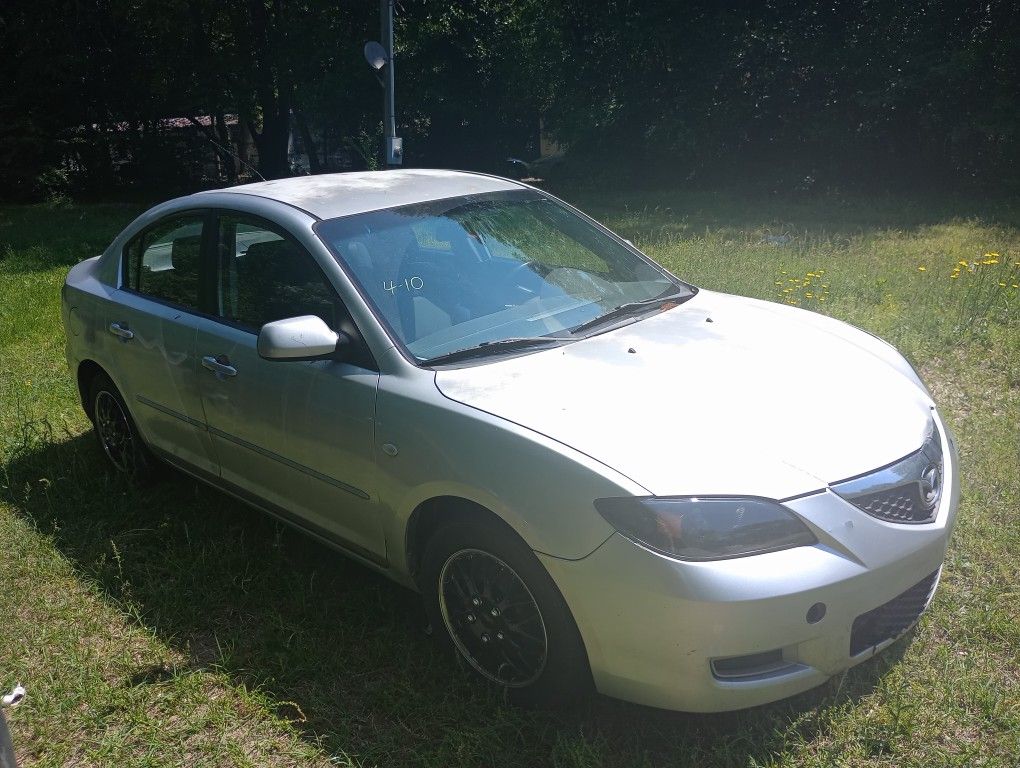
(410,284)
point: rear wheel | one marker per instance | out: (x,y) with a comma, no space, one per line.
(489,597)
(116,431)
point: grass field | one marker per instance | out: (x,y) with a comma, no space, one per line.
(174,626)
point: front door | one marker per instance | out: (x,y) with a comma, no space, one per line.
(297,435)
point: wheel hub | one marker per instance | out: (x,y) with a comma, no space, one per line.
(114,432)
(492,617)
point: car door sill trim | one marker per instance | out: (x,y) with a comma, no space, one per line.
(292,464)
(283,515)
(261,451)
(170,411)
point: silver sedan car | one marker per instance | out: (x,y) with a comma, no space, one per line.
(596,474)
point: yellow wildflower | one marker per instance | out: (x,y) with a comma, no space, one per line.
(922,269)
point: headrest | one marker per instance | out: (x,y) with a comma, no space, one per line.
(267,251)
(281,261)
(184,250)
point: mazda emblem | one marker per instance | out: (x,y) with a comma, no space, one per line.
(931,485)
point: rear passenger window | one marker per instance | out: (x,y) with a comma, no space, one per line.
(163,262)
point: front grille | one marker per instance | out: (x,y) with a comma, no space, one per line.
(897,505)
(891,619)
(906,491)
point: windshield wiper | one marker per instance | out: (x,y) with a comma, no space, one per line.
(496,347)
(626,309)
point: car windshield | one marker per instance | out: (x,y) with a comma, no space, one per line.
(494,272)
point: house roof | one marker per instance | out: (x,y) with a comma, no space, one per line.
(341,194)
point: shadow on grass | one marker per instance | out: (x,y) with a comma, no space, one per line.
(342,650)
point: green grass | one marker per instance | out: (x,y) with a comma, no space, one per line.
(172,625)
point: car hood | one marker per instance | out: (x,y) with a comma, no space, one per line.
(721,395)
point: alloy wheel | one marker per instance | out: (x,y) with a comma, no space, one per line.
(115,433)
(492,617)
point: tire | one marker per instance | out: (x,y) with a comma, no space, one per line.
(116,432)
(489,600)
(7,757)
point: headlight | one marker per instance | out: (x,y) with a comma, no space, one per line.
(706,527)
(906,491)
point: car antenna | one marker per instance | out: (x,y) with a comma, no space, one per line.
(236,156)
(221,148)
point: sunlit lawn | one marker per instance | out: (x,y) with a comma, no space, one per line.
(175,626)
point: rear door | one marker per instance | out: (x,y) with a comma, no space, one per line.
(154,321)
(297,434)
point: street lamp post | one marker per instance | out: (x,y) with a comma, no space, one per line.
(378,56)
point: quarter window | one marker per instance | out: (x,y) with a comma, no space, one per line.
(265,275)
(163,262)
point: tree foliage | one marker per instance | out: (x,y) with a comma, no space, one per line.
(835,89)
(794,93)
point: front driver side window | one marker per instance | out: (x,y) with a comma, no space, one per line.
(264,275)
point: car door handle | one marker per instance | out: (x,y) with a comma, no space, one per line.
(122,331)
(219,365)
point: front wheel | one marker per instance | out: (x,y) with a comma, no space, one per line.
(116,431)
(489,597)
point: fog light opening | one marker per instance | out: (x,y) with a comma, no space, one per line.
(751,666)
(816,613)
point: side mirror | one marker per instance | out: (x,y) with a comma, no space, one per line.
(299,338)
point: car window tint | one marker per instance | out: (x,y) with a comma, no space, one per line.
(164,261)
(265,275)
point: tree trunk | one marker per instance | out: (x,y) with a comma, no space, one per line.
(271,143)
(315,165)
(273,95)
(225,140)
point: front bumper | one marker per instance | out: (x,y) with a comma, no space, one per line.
(653,626)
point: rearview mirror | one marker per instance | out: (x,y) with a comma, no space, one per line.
(299,338)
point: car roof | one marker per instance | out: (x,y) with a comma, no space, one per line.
(340,194)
